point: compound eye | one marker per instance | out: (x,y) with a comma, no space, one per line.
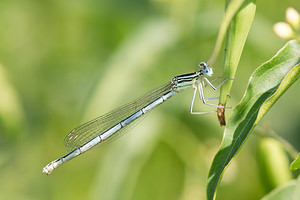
(208,71)
(202,65)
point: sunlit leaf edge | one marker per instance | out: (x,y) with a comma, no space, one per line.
(296,163)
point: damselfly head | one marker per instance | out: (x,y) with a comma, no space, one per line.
(207,71)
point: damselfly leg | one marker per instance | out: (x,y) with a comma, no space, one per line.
(199,87)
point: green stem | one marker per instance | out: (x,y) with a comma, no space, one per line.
(235,41)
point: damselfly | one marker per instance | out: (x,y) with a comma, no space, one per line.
(108,126)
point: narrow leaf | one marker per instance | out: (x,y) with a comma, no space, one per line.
(281,193)
(232,8)
(236,37)
(263,83)
(296,163)
(290,190)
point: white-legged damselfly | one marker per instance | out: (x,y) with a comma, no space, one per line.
(108,126)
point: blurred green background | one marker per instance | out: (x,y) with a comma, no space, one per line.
(65,62)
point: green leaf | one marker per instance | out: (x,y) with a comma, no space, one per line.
(296,163)
(263,83)
(290,190)
(236,37)
(232,8)
(273,162)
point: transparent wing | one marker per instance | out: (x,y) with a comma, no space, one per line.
(89,130)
